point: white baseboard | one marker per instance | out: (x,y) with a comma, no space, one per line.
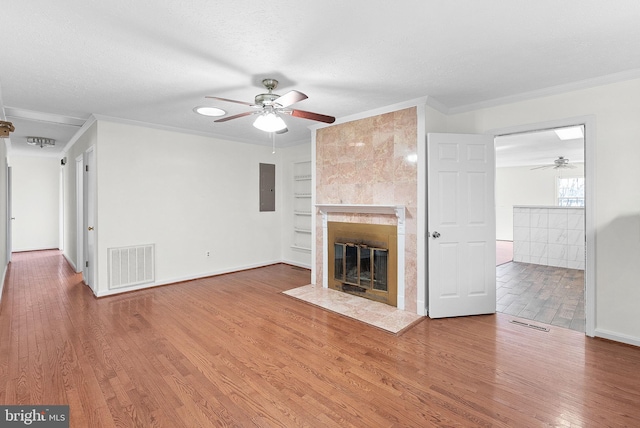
(298,264)
(186,278)
(4,277)
(73,265)
(617,337)
(26,250)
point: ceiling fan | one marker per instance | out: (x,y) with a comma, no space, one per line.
(271,106)
(559,163)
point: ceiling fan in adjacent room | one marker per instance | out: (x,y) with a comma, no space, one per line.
(560,163)
(271,107)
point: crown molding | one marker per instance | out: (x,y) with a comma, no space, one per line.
(374,112)
(437,105)
(112,119)
(552,90)
(39,116)
(86,125)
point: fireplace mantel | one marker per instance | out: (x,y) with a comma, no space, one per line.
(397,210)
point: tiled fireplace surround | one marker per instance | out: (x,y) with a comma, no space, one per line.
(371,162)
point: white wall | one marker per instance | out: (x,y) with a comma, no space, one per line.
(187,195)
(615,110)
(35,202)
(522,186)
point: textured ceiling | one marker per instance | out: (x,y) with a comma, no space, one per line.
(536,148)
(153,62)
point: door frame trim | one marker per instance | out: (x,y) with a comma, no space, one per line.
(89,207)
(79,188)
(589,123)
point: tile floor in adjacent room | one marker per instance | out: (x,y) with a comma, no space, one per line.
(546,294)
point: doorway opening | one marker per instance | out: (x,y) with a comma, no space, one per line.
(541,225)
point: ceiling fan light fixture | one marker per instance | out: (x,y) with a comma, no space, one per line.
(210,111)
(269,122)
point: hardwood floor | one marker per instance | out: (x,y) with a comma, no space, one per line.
(232,350)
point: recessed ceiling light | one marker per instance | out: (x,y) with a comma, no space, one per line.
(209,111)
(572,133)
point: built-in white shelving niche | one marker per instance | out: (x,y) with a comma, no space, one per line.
(302,206)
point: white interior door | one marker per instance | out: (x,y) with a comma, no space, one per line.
(461,225)
(88,187)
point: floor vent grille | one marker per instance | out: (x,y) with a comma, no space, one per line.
(533,326)
(130,266)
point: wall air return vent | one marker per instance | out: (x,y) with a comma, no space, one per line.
(130,266)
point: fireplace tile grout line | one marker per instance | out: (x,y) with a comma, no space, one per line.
(379,315)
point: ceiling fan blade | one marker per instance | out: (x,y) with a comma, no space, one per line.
(542,167)
(235,116)
(313,116)
(232,101)
(289,98)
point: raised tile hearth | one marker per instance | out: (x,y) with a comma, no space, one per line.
(376,314)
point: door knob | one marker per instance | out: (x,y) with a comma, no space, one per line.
(90,228)
(435,235)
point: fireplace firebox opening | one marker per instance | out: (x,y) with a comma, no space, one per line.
(363,260)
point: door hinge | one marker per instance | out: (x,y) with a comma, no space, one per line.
(86,168)
(86,264)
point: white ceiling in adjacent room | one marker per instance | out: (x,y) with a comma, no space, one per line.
(538,148)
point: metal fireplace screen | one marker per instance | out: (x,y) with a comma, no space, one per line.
(361,266)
